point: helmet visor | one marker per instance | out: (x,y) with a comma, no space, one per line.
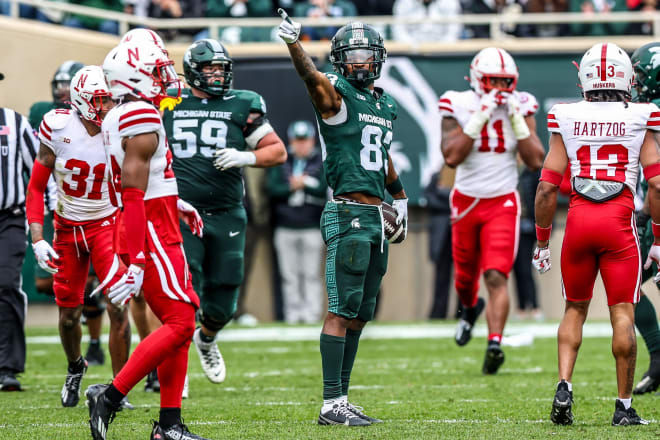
(359,56)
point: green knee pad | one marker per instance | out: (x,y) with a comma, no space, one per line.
(219,302)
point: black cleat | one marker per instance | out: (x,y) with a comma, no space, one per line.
(561,406)
(95,355)
(176,432)
(101,410)
(8,381)
(357,410)
(340,414)
(152,385)
(625,417)
(468,318)
(648,384)
(70,395)
(493,360)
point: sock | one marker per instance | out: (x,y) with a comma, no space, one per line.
(570,385)
(332,354)
(350,351)
(206,339)
(114,395)
(647,324)
(169,417)
(626,402)
(77,366)
(94,342)
(328,404)
(494,338)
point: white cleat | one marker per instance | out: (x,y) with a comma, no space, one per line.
(210,358)
(184,393)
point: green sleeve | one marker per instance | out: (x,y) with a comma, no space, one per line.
(257,103)
(277,185)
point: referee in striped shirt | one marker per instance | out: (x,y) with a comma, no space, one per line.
(18,149)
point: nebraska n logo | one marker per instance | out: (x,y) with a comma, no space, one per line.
(131,55)
(81,81)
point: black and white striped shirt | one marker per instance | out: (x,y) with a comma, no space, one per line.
(18,149)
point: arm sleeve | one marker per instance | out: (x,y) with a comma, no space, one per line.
(34,201)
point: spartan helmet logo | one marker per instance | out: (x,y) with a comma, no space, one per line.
(655,59)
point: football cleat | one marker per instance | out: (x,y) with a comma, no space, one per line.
(358,411)
(625,417)
(95,355)
(8,381)
(561,413)
(468,318)
(493,360)
(176,432)
(211,359)
(152,385)
(125,404)
(71,389)
(340,414)
(646,385)
(101,411)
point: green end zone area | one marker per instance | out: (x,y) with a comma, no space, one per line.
(423,388)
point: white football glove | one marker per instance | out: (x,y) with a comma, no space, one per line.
(654,257)
(289,30)
(541,259)
(45,256)
(518,124)
(232,158)
(401,207)
(191,217)
(127,287)
(488,103)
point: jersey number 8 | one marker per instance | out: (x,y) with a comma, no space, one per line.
(371,157)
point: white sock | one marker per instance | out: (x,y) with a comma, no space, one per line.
(626,402)
(328,404)
(343,400)
(570,385)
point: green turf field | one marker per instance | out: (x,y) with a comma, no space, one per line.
(422,388)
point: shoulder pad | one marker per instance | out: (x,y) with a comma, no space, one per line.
(59,118)
(447,103)
(255,101)
(137,117)
(528,103)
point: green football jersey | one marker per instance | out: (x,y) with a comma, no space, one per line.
(195,129)
(39,109)
(355,151)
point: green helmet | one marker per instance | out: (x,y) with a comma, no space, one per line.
(360,44)
(646,63)
(62,80)
(203,53)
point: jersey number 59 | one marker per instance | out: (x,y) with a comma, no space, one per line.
(213,135)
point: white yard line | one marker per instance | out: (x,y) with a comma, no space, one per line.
(518,333)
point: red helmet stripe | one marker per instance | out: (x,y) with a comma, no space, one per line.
(499,52)
(603,63)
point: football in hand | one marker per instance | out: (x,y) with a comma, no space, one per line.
(393,232)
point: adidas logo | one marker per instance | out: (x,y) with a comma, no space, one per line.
(140,255)
(508,204)
(105,223)
(102,429)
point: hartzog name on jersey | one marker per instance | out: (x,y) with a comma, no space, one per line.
(599,128)
(364,117)
(201,114)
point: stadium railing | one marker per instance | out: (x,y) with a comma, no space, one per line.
(213,25)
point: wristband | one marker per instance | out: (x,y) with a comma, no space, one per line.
(543,234)
(656,229)
(651,171)
(551,176)
(134,218)
(34,200)
(394,187)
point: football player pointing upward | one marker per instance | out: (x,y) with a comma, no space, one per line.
(482,130)
(355,123)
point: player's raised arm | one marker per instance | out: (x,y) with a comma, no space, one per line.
(324,96)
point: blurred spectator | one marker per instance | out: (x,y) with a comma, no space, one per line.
(600,7)
(178,9)
(437,199)
(298,192)
(239,9)
(92,23)
(426,32)
(528,305)
(641,5)
(546,30)
(490,7)
(32,12)
(374,7)
(320,9)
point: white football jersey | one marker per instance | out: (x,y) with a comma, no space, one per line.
(490,170)
(603,139)
(130,119)
(80,167)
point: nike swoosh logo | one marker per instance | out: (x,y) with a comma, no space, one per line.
(234,234)
(227,98)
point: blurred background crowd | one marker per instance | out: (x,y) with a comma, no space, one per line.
(322,9)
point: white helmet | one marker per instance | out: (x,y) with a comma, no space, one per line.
(606,67)
(492,62)
(140,70)
(87,90)
(143,35)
